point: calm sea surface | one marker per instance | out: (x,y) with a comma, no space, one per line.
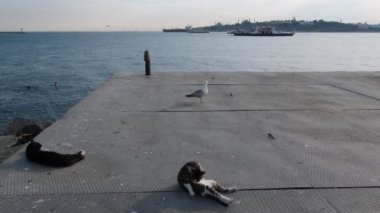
(80,62)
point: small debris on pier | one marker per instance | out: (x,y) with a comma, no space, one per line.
(271,136)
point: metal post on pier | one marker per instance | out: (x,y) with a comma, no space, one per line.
(147,62)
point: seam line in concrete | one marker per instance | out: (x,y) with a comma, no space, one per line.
(253,110)
(176,191)
(358,93)
(237,110)
(311,188)
(216,84)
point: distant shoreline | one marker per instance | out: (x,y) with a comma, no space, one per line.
(160,31)
(10,32)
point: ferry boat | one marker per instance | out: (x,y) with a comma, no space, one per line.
(263,31)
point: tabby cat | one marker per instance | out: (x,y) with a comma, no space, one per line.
(35,153)
(191,177)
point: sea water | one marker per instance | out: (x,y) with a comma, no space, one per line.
(80,61)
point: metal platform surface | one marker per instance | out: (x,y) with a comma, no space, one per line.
(138,131)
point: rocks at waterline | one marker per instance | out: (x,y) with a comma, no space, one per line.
(25,129)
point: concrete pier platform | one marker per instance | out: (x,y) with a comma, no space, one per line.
(138,131)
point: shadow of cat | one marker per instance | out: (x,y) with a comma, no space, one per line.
(174,198)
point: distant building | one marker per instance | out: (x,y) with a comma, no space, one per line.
(306,23)
(363,26)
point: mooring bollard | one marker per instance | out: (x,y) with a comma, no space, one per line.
(147,62)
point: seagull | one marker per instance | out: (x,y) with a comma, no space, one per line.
(199,93)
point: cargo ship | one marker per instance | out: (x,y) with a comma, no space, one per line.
(177,30)
(13,32)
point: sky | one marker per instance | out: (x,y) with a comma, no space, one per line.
(152,15)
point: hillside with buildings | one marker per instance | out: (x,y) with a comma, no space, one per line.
(298,25)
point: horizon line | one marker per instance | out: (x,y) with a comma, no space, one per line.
(21,29)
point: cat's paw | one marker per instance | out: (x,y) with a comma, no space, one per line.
(226,200)
(232,189)
(81,154)
(189,189)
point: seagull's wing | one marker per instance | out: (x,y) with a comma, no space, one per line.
(197,93)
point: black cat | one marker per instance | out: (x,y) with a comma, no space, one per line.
(35,153)
(191,177)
